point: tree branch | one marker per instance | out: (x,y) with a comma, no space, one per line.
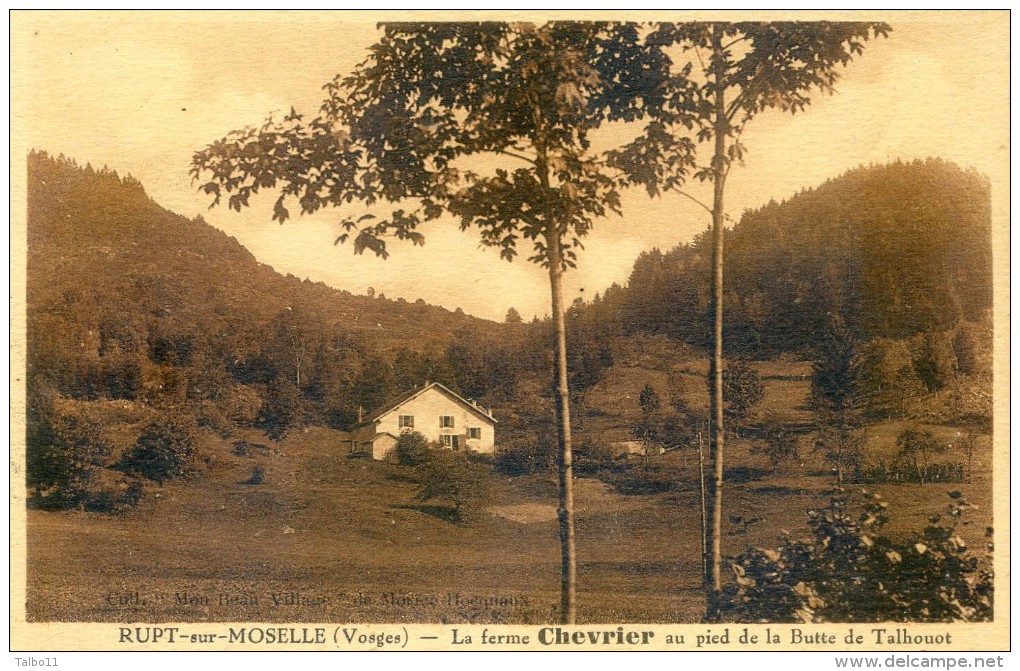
(729,164)
(687,195)
(517,156)
(705,207)
(742,38)
(735,106)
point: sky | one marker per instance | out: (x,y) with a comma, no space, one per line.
(140,92)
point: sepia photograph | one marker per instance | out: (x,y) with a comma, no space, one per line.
(340,330)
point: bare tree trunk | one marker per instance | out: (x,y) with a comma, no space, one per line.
(713,578)
(565,511)
(565,461)
(704,507)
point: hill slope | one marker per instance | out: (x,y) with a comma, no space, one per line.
(128,300)
(897,250)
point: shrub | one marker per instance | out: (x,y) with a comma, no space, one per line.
(592,456)
(891,386)
(897,472)
(458,481)
(935,362)
(165,450)
(281,409)
(413,449)
(742,389)
(972,347)
(70,463)
(525,458)
(917,447)
(849,571)
(257,476)
(843,450)
(115,499)
(779,443)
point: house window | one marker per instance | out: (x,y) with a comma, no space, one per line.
(446,421)
(405,422)
(450,440)
(474,432)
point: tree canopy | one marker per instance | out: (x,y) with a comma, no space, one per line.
(490,122)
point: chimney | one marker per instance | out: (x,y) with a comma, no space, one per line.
(361,414)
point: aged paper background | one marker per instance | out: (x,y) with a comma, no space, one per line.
(983,124)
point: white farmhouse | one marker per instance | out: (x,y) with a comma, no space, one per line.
(433,411)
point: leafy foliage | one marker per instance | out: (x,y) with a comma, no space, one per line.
(837,395)
(778,443)
(165,450)
(850,571)
(458,481)
(413,449)
(935,364)
(399,127)
(525,457)
(68,464)
(281,409)
(917,447)
(742,389)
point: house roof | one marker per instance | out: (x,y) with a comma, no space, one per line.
(418,391)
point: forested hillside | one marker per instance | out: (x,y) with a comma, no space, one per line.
(129,301)
(896,250)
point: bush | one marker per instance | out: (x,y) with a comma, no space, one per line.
(116,499)
(525,458)
(917,447)
(592,456)
(165,450)
(897,472)
(281,409)
(780,444)
(848,571)
(843,450)
(742,390)
(458,481)
(891,386)
(70,463)
(972,347)
(935,362)
(413,449)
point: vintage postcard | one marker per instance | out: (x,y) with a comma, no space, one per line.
(644,331)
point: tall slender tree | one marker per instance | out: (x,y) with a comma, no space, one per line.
(734,72)
(492,123)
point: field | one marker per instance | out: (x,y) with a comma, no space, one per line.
(327,537)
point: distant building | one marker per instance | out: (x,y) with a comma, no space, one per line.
(435,412)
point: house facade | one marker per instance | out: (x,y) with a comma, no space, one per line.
(434,411)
